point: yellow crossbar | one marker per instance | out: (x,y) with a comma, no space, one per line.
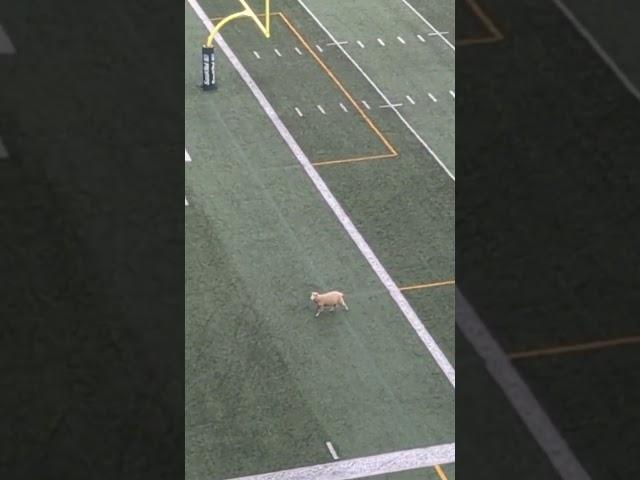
(247,12)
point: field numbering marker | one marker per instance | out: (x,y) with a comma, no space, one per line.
(332,451)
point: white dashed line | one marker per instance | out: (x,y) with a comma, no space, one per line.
(256,54)
(299,112)
(319,48)
(366,105)
(186,204)
(401,40)
(187,157)
(321,109)
(277,52)
(452,93)
(381,42)
(360,44)
(411,100)
(421,38)
(432,97)
(391,105)
(298,51)
(332,451)
(344,109)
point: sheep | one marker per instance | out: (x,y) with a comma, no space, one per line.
(331,299)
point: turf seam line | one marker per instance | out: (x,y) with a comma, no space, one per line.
(411,316)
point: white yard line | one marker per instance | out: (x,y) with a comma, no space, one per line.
(435,30)
(606,58)
(332,451)
(362,467)
(402,303)
(380,92)
(518,393)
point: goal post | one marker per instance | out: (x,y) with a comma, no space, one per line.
(208,50)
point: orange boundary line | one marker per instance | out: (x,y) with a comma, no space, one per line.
(496,34)
(580,347)
(392,151)
(440,472)
(344,91)
(428,285)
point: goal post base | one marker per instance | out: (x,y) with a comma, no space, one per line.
(208,68)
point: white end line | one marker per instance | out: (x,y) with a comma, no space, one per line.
(362,467)
(402,303)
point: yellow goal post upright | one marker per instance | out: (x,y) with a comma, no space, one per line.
(208,50)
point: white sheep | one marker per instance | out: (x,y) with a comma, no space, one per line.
(331,299)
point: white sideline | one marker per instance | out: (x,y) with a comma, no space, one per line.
(525,404)
(435,30)
(337,209)
(6,46)
(377,89)
(606,58)
(366,466)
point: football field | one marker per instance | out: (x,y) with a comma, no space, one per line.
(324,160)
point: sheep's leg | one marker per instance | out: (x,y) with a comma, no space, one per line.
(333,307)
(344,304)
(319,309)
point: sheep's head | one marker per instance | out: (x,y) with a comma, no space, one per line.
(314,295)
